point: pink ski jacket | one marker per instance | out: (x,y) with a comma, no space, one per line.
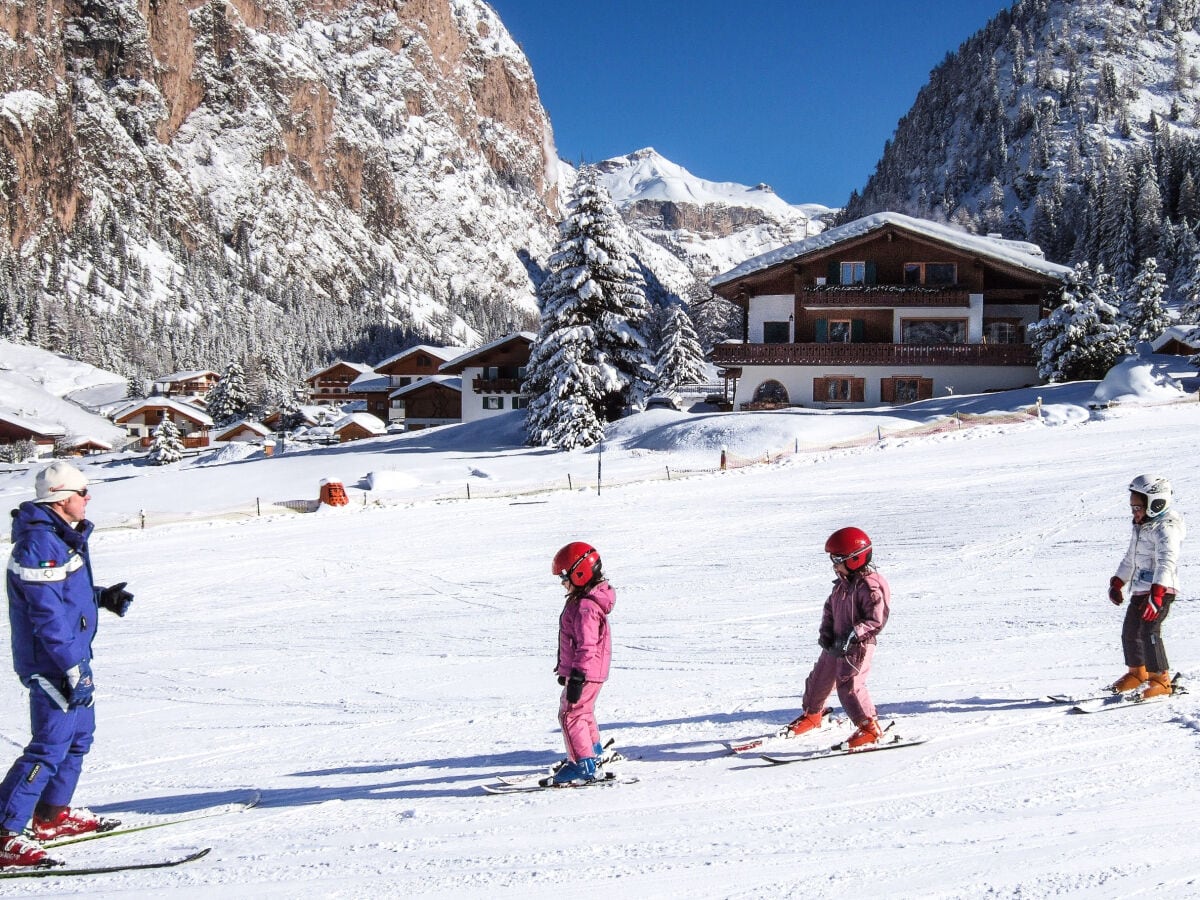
(860,604)
(584,641)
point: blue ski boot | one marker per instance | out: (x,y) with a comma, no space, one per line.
(578,772)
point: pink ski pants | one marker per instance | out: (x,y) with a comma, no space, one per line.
(578,721)
(849,675)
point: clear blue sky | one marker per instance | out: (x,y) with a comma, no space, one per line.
(800,94)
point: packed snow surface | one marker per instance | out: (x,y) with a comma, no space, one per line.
(368,668)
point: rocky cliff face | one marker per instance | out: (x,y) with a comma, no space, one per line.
(301,166)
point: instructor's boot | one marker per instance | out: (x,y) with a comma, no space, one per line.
(1131,680)
(1160,685)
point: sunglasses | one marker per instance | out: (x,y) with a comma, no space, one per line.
(82,492)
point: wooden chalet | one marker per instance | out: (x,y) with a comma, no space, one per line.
(141,417)
(494,374)
(195,383)
(432,401)
(357,426)
(331,384)
(243,431)
(14,429)
(887,309)
(410,366)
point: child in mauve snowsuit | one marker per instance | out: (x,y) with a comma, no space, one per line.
(854,614)
(1148,567)
(584,654)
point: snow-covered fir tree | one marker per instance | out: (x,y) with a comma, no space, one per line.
(680,359)
(271,387)
(1142,309)
(590,350)
(715,318)
(1082,337)
(229,400)
(167,446)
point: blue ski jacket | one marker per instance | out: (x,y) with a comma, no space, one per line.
(52,602)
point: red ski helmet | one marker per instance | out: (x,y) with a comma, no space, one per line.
(577,561)
(850,546)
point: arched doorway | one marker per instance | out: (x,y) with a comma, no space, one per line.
(772,392)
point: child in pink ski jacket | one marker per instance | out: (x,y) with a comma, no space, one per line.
(584,654)
(854,614)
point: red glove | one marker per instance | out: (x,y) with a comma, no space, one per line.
(1154,602)
(1114,590)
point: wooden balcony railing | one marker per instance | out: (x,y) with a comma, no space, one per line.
(882,296)
(844,354)
(496,385)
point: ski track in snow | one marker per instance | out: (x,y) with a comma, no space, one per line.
(367,671)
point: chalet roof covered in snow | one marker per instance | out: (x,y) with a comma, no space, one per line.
(36,426)
(459,362)
(1014,253)
(442,353)
(452,382)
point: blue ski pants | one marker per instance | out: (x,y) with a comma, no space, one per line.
(49,768)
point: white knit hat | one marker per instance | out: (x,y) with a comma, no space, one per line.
(57,482)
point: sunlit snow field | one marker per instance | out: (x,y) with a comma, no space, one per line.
(368,668)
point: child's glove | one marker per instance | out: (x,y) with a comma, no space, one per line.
(1114,590)
(575,686)
(1154,603)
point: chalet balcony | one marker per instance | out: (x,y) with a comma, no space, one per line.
(881,296)
(482,385)
(849,354)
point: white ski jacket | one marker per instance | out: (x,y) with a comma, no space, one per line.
(1153,554)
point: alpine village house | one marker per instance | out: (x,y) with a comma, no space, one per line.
(886,309)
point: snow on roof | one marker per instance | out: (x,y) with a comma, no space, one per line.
(184,376)
(37,426)
(363,420)
(256,427)
(442,353)
(1187,335)
(186,409)
(73,443)
(465,358)
(1017,253)
(453,382)
(359,367)
(370,381)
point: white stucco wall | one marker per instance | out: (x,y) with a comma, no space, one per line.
(769,308)
(947,380)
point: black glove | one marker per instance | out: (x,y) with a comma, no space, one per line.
(80,687)
(562,681)
(825,642)
(575,686)
(116,599)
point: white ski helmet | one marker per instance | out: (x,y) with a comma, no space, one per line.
(1156,490)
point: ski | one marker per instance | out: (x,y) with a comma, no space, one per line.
(240,806)
(610,780)
(608,756)
(59,870)
(739,747)
(887,742)
(1124,701)
(1072,699)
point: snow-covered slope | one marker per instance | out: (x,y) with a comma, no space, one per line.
(40,386)
(709,225)
(366,669)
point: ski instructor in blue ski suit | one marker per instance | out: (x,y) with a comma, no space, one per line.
(52,607)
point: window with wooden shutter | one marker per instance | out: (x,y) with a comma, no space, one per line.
(858,390)
(833,272)
(821,331)
(887,390)
(858,330)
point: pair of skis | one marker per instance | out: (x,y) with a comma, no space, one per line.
(1104,701)
(529,782)
(890,740)
(54,868)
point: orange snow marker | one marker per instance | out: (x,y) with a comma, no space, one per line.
(333,493)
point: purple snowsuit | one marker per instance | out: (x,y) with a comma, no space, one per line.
(585,645)
(858,603)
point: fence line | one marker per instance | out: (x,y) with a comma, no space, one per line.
(572,482)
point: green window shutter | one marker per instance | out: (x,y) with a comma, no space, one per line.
(870,273)
(821,330)
(833,273)
(858,330)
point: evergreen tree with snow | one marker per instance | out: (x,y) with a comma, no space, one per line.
(680,359)
(590,357)
(1082,337)
(229,400)
(167,446)
(1142,310)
